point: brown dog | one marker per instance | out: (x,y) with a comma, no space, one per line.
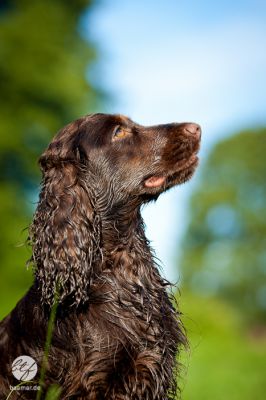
(116,334)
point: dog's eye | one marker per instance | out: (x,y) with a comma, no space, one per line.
(119,133)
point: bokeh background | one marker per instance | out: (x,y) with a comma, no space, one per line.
(157,62)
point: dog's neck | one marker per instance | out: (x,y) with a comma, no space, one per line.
(117,213)
(121,223)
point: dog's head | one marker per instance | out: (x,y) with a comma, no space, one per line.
(134,159)
(97,171)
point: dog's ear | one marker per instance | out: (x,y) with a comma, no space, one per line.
(66,147)
(65,232)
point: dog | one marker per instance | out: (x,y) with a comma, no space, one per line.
(116,333)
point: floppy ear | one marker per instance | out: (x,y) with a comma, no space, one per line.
(65,232)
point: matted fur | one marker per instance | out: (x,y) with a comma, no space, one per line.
(117,334)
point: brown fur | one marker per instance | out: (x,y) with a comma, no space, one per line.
(117,334)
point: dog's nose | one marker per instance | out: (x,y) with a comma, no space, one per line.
(193,129)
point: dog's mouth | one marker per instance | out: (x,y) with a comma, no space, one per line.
(181,174)
(154,181)
(184,173)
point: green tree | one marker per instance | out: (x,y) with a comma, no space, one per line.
(225,243)
(44,62)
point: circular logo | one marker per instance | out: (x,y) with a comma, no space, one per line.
(24,368)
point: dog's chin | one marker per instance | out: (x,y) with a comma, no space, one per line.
(183,175)
(156,184)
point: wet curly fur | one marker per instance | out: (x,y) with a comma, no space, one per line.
(117,334)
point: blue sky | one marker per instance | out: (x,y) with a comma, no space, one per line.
(171,60)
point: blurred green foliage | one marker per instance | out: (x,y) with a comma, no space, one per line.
(224,248)
(53,393)
(223,362)
(43,67)
(44,62)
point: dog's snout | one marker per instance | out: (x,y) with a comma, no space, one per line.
(193,129)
